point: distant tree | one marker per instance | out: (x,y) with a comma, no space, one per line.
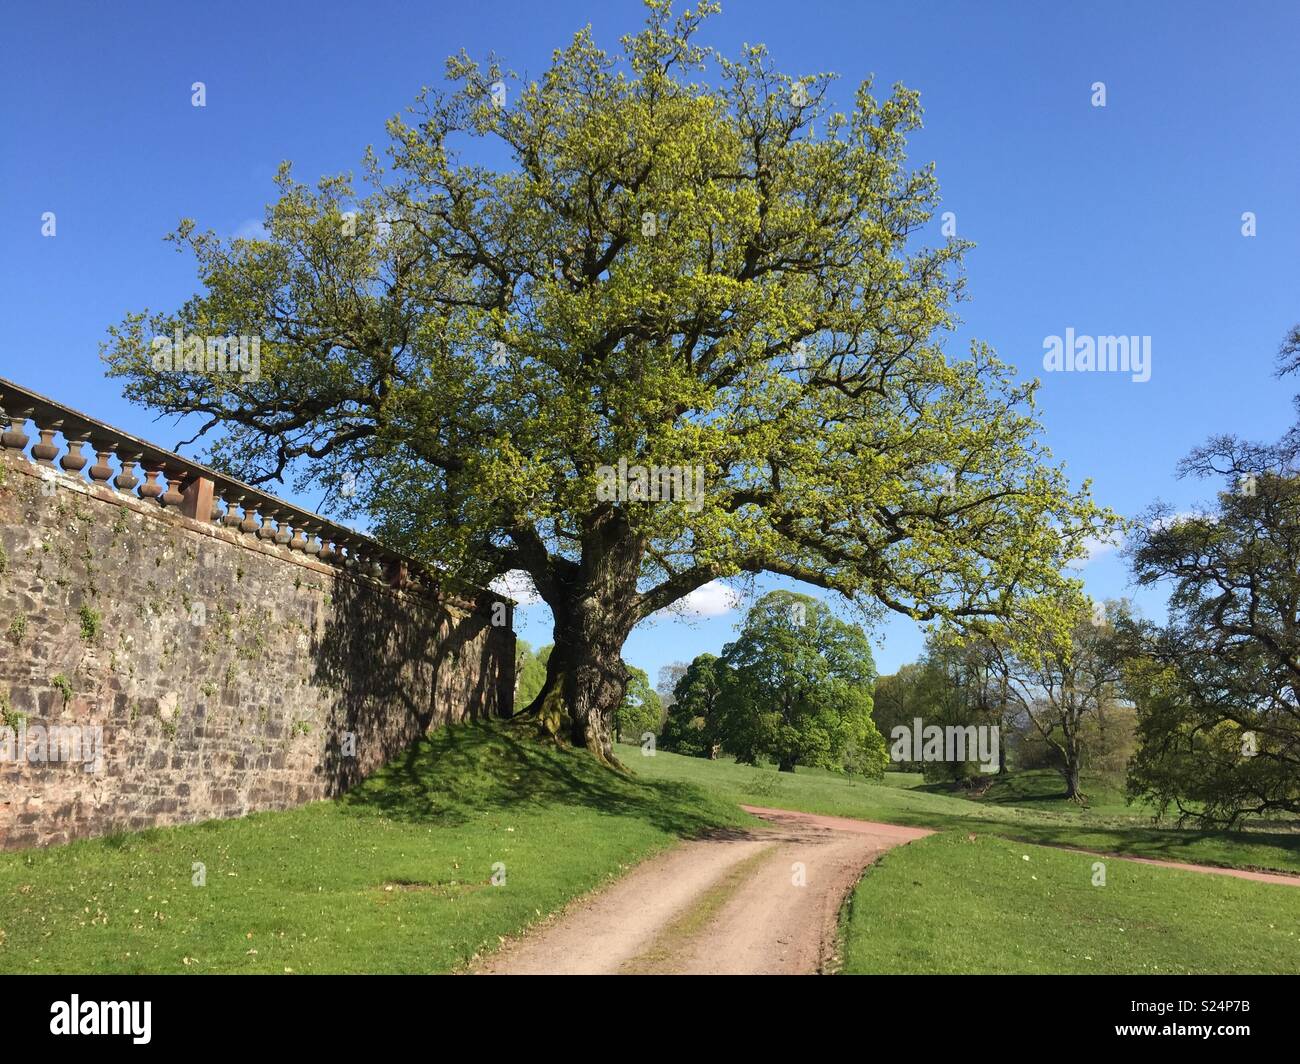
(669,675)
(1219,698)
(692,723)
(1064,685)
(799,689)
(640,710)
(902,698)
(530,672)
(961,685)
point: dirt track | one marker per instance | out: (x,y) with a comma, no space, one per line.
(736,903)
(732,904)
(1283,878)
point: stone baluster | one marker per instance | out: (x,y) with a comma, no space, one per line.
(15,438)
(362,568)
(329,551)
(127,480)
(102,471)
(267,531)
(283,535)
(313,547)
(250,524)
(76,437)
(151,489)
(46,450)
(234,503)
(299,541)
(177,478)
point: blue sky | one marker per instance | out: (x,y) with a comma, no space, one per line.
(1117,220)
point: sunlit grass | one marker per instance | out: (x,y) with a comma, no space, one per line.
(395,877)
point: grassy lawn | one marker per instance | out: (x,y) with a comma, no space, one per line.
(395,877)
(946,904)
(1106,826)
(1042,788)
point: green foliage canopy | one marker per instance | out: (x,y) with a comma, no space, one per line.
(798,688)
(671,270)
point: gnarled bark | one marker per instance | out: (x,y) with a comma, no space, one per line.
(585,675)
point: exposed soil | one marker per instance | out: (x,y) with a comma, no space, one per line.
(764,901)
(1284,878)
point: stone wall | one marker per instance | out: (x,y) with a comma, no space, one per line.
(225,674)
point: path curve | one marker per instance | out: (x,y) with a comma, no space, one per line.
(759,901)
(1286,879)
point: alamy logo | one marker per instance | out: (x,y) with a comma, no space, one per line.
(638,483)
(970,742)
(57,742)
(1098,354)
(103,1017)
(209,354)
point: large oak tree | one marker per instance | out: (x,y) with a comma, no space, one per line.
(664,256)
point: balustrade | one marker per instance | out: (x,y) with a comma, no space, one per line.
(188,489)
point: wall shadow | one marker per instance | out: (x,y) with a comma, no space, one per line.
(397,667)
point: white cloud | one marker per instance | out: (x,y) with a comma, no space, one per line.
(712,600)
(517,585)
(1095,547)
(252,229)
(1161,523)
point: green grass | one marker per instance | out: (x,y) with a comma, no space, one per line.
(1043,788)
(394,877)
(946,904)
(1107,826)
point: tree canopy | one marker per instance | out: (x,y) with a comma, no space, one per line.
(1218,694)
(657,259)
(797,689)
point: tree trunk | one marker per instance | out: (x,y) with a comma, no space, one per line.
(556,666)
(594,603)
(584,686)
(593,689)
(1073,764)
(786,764)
